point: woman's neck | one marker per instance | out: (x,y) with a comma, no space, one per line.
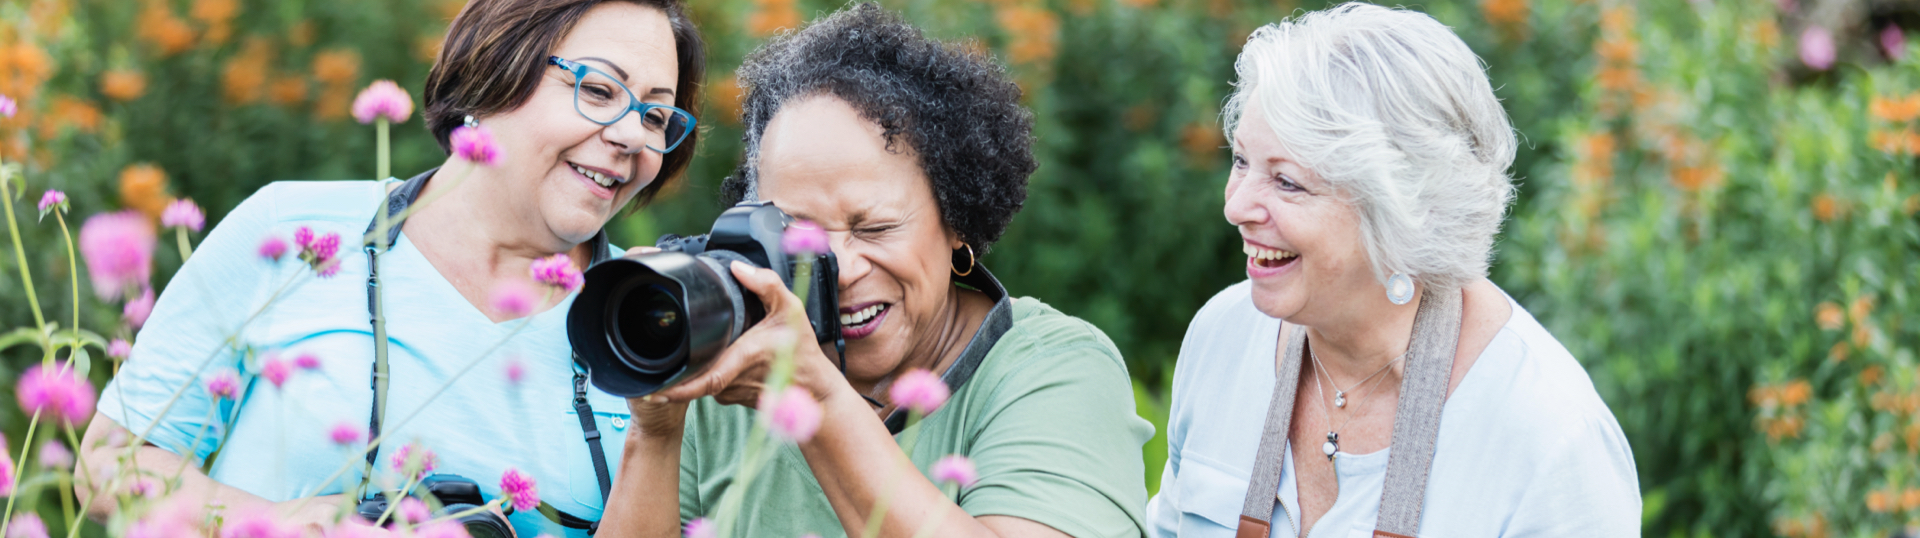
(1356,343)
(476,237)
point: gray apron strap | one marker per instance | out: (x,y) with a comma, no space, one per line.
(1416,423)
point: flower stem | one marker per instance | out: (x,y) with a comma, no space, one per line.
(394,501)
(20,254)
(80,465)
(463,513)
(385,159)
(180,237)
(26,445)
(73,268)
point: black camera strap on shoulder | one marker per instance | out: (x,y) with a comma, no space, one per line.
(396,205)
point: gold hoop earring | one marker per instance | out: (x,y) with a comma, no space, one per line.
(970,261)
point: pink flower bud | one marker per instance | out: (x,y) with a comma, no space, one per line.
(307,361)
(54,455)
(137,310)
(803,236)
(119,349)
(56,393)
(406,462)
(412,510)
(182,213)
(8,107)
(954,468)
(520,489)
(1893,42)
(792,414)
(919,390)
(303,238)
(475,143)
(1816,48)
(52,199)
(276,371)
(118,248)
(273,248)
(516,371)
(26,525)
(557,271)
(514,298)
(6,475)
(223,385)
(701,527)
(345,433)
(382,99)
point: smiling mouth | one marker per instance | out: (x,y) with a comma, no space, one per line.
(1269,258)
(860,318)
(601,178)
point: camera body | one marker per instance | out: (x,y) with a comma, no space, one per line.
(455,494)
(646,321)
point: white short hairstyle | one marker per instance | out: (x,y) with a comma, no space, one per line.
(1393,110)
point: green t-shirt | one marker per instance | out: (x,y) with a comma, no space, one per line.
(1048,420)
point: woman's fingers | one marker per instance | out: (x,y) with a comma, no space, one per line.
(765,283)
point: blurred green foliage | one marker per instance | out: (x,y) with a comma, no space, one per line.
(1725,237)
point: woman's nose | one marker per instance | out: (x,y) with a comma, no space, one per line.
(1241,206)
(629,134)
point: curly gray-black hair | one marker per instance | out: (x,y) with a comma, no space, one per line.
(954,109)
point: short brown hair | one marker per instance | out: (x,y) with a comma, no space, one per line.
(496,50)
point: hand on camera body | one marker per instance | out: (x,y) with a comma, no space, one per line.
(739,373)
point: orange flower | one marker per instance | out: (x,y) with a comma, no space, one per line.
(333,103)
(1796,393)
(1140,3)
(427,47)
(724,97)
(1695,178)
(143,187)
(1839,352)
(1140,117)
(1202,141)
(1510,16)
(166,32)
(1911,205)
(1912,435)
(772,16)
(1766,33)
(123,85)
(23,68)
(1862,335)
(1763,395)
(1861,307)
(1828,315)
(215,12)
(337,67)
(1871,375)
(1033,32)
(300,34)
(245,76)
(1825,207)
(1880,501)
(450,8)
(67,111)
(1910,499)
(288,91)
(1594,163)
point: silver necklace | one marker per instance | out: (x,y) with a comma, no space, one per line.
(1332,445)
(1340,395)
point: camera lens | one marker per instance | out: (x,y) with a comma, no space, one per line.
(485,525)
(649,324)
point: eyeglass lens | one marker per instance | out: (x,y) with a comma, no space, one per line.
(603,100)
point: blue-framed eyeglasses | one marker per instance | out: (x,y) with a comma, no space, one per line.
(602,99)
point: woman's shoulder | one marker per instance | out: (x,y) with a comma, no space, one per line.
(1527,384)
(1038,328)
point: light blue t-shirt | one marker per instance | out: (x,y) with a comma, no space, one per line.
(279,447)
(1526,447)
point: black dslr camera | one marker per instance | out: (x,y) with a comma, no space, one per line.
(645,322)
(455,494)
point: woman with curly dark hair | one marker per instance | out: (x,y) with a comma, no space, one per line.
(913,155)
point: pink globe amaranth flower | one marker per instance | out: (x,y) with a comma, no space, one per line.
(138,310)
(118,248)
(51,199)
(56,393)
(792,414)
(54,455)
(406,463)
(701,527)
(412,510)
(345,433)
(307,361)
(1893,42)
(182,213)
(258,524)
(174,519)
(953,468)
(804,236)
(514,298)
(516,371)
(1816,48)
(920,391)
(6,475)
(355,528)
(26,525)
(8,107)
(520,489)
(382,99)
(146,487)
(475,143)
(321,252)
(119,349)
(223,385)
(303,238)
(273,248)
(443,529)
(557,271)
(276,371)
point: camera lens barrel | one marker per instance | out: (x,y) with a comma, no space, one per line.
(641,322)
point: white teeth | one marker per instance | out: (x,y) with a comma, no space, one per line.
(1266,253)
(602,179)
(861,316)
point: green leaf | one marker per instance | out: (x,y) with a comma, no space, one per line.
(82,361)
(19,336)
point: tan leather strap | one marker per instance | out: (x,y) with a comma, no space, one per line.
(1416,423)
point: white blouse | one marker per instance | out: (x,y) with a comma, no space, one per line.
(1526,447)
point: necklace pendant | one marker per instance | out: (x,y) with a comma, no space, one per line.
(1340,399)
(1331,446)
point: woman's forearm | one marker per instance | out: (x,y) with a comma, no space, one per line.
(858,463)
(645,501)
(102,449)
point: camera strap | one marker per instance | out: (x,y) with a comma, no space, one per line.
(396,204)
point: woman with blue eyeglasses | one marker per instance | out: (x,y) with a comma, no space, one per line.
(587,101)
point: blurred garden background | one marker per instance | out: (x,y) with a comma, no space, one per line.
(1716,212)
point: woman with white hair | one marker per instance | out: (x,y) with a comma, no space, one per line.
(1407,394)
